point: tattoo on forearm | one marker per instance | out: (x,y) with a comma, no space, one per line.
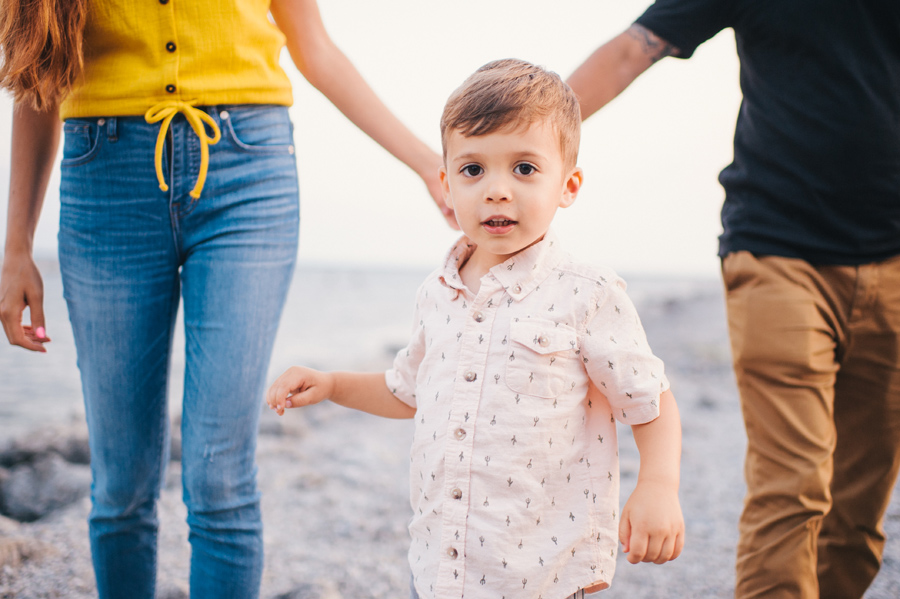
(653,46)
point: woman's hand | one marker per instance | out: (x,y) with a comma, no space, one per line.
(20,287)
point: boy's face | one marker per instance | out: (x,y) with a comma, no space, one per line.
(505,187)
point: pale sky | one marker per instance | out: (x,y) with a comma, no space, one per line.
(650,203)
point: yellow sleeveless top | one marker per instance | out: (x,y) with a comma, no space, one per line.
(139,54)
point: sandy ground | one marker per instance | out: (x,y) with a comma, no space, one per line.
(335,498)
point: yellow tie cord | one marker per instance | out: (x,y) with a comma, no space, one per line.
(165,112)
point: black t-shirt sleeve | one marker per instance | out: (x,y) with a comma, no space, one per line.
(687,23)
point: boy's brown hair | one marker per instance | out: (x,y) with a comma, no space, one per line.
(513,93)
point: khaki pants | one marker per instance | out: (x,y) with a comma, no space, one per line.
(817,358)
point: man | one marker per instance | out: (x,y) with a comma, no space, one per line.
(811,262)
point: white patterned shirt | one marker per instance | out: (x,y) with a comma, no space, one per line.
(514,465)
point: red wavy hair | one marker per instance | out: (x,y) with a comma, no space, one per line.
(41,49)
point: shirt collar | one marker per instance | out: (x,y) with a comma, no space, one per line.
(519,275)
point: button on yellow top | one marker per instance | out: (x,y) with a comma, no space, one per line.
(227,53)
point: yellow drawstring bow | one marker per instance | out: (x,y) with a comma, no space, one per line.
(165,112)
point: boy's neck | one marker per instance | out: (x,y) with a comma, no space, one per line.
(478,265)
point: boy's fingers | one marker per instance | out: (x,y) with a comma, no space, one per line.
(668,550)
(679,545)
(656,550)
(625,534)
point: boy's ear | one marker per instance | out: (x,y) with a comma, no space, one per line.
(572,185)
(445,186)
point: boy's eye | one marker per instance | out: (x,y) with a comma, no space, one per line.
(471,170)
(524,169)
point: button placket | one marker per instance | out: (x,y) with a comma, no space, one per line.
(459,463)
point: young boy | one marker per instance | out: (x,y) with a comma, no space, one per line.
(520,362)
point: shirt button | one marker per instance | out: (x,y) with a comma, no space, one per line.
(517,289)
(460,434)
(456,494)
(163,1)
(452,553)
(170,88)
(170,46)
(471,376)
(543,341)
(478,316)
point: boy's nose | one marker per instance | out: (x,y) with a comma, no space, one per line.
(498,191)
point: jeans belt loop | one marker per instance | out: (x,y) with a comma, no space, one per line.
(112,134)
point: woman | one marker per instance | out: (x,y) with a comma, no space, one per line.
(178,181)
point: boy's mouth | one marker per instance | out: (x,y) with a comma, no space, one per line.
(498,225)
(499,222)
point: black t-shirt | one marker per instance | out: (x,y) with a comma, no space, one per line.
(816,171)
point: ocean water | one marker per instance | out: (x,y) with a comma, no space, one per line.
(335,318)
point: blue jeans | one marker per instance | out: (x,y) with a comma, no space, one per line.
(127,253)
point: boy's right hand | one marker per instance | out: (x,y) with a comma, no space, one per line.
(299,386)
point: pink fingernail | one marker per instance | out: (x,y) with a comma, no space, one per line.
(40,332)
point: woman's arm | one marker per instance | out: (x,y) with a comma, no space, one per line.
(35,138)
(331,72)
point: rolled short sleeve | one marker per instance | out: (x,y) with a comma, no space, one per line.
(687,23)
(619,360)
(401,377)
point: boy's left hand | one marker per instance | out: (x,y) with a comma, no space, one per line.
(652,526)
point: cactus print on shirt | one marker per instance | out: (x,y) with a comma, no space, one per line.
(514,464)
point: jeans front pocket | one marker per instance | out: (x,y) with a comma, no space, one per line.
(541,353)
(81,141)
(258,128)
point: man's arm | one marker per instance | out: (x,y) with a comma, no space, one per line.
(614,65)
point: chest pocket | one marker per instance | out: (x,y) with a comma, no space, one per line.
(541,355)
